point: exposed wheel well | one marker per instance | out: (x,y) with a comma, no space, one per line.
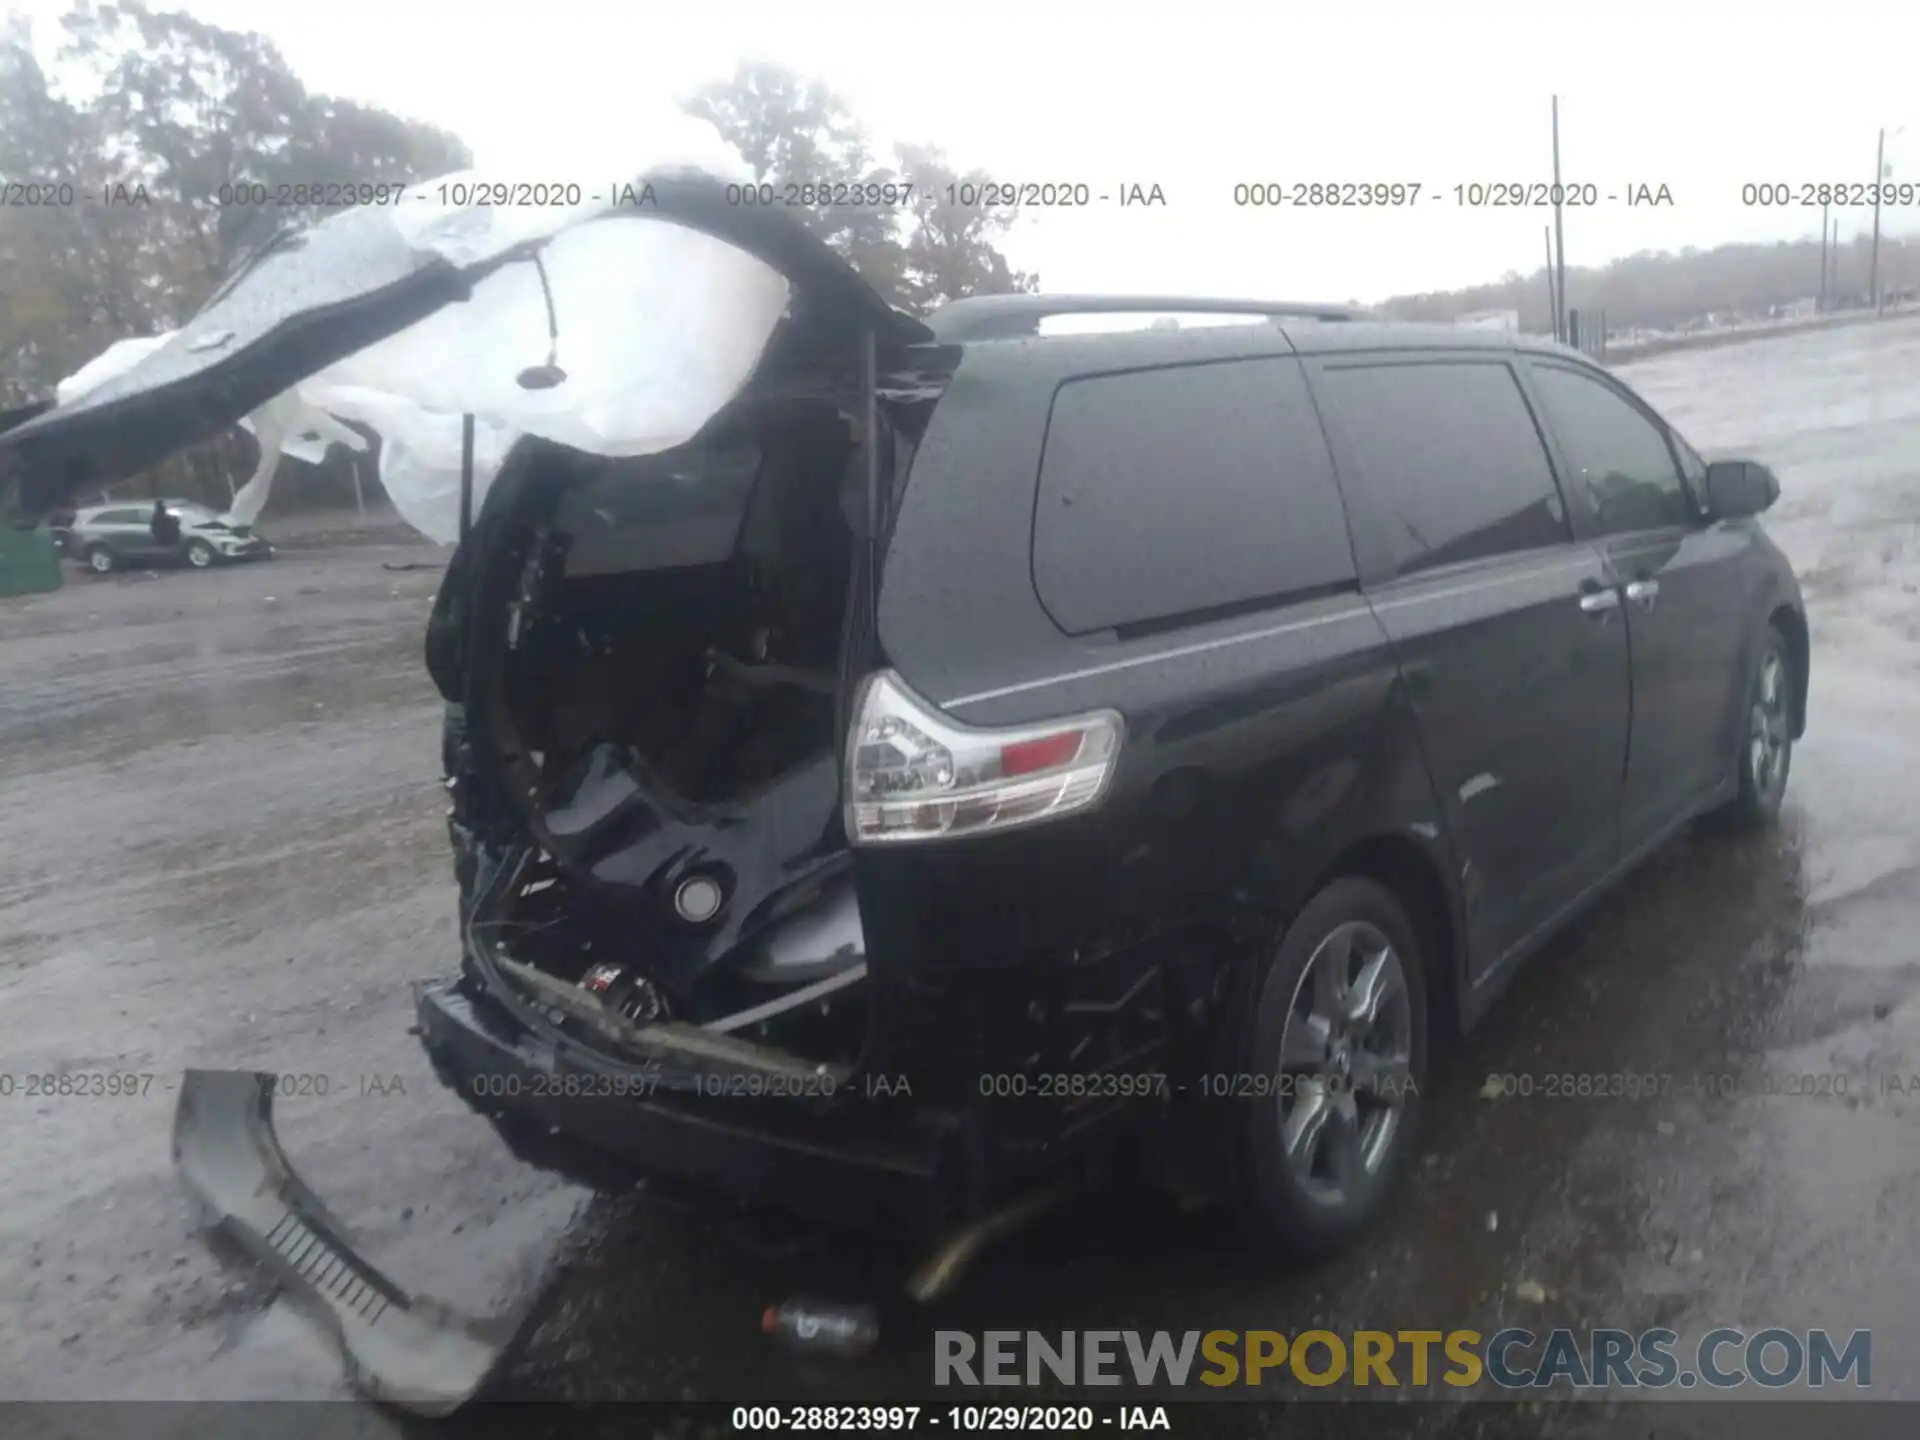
(1410,874)
(1792,626)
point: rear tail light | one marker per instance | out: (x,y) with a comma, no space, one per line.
(914,774)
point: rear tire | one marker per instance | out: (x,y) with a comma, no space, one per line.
(100,559)
(1340,1030)
(1766,738)
(199,554)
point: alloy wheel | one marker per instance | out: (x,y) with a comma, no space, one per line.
(1345,1063)
(1769,730)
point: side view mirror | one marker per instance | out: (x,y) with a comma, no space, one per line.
(1739,488)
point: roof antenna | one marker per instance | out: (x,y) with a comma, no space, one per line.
(545,377)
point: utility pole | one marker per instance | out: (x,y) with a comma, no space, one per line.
(1834,248)
(1559,235)
(1553,294)
(1821,304)
(1879,171)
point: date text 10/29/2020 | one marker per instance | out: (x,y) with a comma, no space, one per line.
(1696,1084)
(1467,195)
(896,1419)
(993,1085)
(138,1084)
(1155,1085)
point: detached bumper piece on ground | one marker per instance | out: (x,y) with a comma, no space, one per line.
(405,1350)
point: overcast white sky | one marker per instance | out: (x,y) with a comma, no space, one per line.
(1196,95)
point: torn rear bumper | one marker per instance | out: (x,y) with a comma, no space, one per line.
(868,1165)
(406,1350)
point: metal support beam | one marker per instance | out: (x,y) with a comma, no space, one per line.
(466,475)
(1559,234)
(870,425)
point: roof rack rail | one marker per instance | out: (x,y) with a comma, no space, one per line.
(1000,317)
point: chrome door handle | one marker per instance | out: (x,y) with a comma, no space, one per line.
(1599,602)
(1644,592)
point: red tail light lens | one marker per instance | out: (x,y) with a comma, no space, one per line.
(1029,757)
(915,774)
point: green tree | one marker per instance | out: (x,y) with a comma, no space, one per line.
(170,114)
(791,130)
(950,250)
(194,110)
(71,270)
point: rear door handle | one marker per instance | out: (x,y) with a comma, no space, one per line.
(1644,592)
(1600,602)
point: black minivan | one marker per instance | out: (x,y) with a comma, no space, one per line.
(986,759)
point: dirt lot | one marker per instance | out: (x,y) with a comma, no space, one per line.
(222,847)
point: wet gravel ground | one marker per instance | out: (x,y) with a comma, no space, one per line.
(222,846)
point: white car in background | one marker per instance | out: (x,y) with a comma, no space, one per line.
(109,537)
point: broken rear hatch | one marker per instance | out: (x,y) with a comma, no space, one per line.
(423,312)
(524,326)
(330,293)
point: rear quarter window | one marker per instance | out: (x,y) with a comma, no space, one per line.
(1184,491)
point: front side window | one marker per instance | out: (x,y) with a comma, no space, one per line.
(1617,457)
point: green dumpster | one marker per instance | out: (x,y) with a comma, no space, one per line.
(29,561)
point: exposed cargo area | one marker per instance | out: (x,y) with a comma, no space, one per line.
(659,685)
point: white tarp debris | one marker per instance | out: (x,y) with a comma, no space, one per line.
(420,456)
(116,359)
(659,327)
(283,426)
(286,425)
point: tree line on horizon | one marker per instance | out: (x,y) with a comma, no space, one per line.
(179,111)
(166,113)
(1664,289)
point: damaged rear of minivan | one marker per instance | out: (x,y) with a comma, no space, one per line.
(695,809)
(654,668)
(679,758)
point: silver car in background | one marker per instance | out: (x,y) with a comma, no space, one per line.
(108,537)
